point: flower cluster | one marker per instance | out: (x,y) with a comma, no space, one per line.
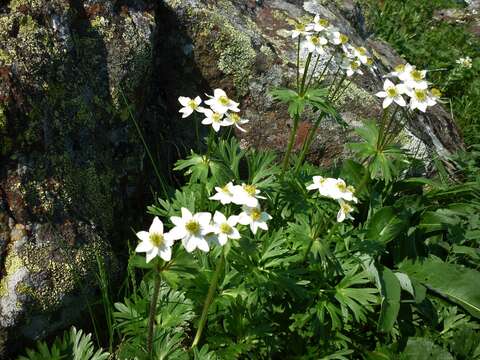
(413,84)
(319,33)
(221,111)
(465,62)
(201,230)
(336,189)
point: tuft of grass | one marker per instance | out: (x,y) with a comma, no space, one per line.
(431,43)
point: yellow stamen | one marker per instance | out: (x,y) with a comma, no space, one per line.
(400,68)
(323,22)
(421,95)
(156,239)
(224,100)
(343,38)
(193,227)
(255,214)
(192,104)
(216,117)
(250,189)
(417,75)
(436,93)
(392,91)
(225,228)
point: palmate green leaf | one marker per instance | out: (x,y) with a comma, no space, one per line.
(390,289)
(455,282)
(317,98)
(424,349)
(385,225)
(262,168)
(295,102)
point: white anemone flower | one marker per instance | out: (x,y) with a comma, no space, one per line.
(255,217)
(213,118)
(344,212)
(221,103)
(235,119)
(246,195)
(192,229)
(318,24)
(465,62)
(435,94)
(400,71)
(154,242)
(337,38)
(315,43)
(392,93)
(225,228)
(351,67)
(333,188)
(421,100)
(189,105)
(414,79)
(300,29)
(224,194)
(361,54)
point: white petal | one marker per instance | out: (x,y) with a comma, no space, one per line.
(216,126)
(144,246)
(187,111)
(184,100)
(400,101)
(166,253)
(189,244)
(157,226)
(219,218)
(254,227)
(143,235)
(198,100)
(203,217)
(387,102)
(233,220)
(340,216)
(207,121)
(244,218)
(177,221)
(202,244)
(178,232)
(387,84)
(218,93)
(222,239)
(381,94)
(151,255)
(186,214)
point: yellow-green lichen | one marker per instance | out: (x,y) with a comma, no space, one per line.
(12,263)
(16,5)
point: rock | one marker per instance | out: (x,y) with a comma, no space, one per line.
(248,51)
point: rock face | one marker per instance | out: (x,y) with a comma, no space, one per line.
(73,170)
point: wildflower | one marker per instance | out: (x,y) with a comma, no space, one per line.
(333,188)
(246,195)
(414,79)
(400,71)
(189,105)
(300,29)
(235,119)
(255,217)
(351,67)
(361,54)
(192,229)
(345,210)
(392,93)
(420,99)
(213,118)
(337,38)
(318,24)
(221,103)
(225,228)
(224,194)
(465,62)
(315,43)
(155,242)
(435,94)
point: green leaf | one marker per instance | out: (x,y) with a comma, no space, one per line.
(453,281)
(390,289)
(424,349)
(385,225)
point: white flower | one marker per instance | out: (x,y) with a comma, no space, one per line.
(361,54)
(235,119)
(333,188)
(221,103)
(414,79)
(435,94)
(225,228)
(213,118)
(155,242)
(192,229)
(420,99)
(224,194)
(318,24)
(392,93)
(351,67)
(344,212)
(189,105)
(246,195)
(337,38)
(400,71)
(253,216)
(300,29)
(465,62)
(315,43)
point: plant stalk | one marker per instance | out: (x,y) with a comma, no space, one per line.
(290,144)
(208,300)
(153,309)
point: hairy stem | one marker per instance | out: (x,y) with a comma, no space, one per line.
(208,300)
(153,308)
(290,144)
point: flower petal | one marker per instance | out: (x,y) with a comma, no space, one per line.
(157,226)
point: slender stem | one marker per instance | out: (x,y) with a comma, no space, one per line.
(343,91)
(312,73)
(326,67)
(344,76)
(197,132)
(153,308)
(308,141)
(290,144)
(298,65)
(305,72)
(208,300)
(386,134)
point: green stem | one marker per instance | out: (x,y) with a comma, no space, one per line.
(312,73)
(153,308)
(208,300)
(343,91)
(290,144)
(298,65)
(305,72)
(386,133)
(326,67)
(338,86)
(308,142)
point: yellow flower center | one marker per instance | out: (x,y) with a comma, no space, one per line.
(250,189)
(224,100)
(392,91)
(370,61)
(436,93)
(192,104)
(343,38)
(300,27)
(225,228)
(216,117)
(156,239)
(323,22)
(362,51)
(315,40)
(255,214)
(417,75)
(400,68)
(225,190)
(342,187)
(354,65)
(234,117)
(193,227)
(421,95)
(351,189)
(346,208)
